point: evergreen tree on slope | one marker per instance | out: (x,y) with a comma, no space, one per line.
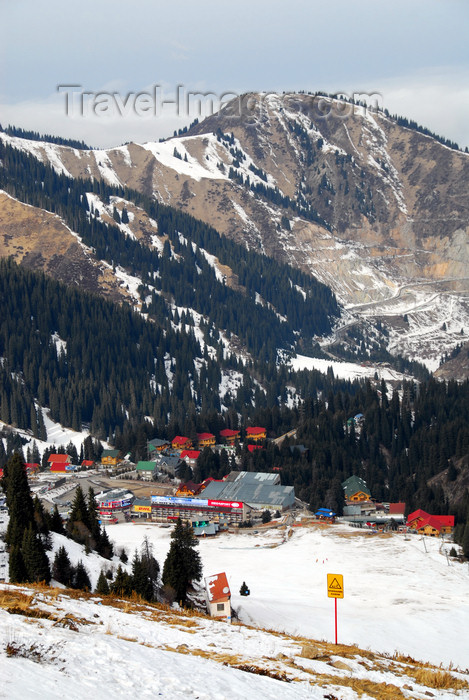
(182,565)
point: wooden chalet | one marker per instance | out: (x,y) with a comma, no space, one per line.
(110,458)
(257,434)
(414,519)
(205,440)
(356,490)
(181,443)
(157,445)
(432,525)
(229,437)
(188,489)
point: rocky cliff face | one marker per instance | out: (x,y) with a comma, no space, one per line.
(378,212)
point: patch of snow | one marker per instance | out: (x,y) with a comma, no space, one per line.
(60,345)
(106,169)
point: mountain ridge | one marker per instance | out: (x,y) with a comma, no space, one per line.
(373,209)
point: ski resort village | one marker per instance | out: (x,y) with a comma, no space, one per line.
(266,566)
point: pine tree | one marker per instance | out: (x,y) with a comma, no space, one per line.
(19,501)
(182,565)
(244,590)
(34,557)
(81,579)
(141,583)
(145,572)
(42,522)
(78,525)
(122,584)
(62,567)
(106,548)
(79,508)
(93,519)
(56,522)
(17,569)
(102,586)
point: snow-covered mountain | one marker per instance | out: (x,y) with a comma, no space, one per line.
(374,209)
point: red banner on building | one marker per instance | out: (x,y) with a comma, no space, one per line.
(226,504)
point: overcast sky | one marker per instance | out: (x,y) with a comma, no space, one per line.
(414,53)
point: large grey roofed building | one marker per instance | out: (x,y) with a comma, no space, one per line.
(256,489)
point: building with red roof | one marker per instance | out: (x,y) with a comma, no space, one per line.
(205,440)
(230,437)
(190,456)
(218,596)
(31,467)
(58,462)
(397,509)
(181,443)
(256,433)
(413,519)
(87,463)
(432,525)
(253,448)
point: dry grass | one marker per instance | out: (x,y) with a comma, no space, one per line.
(361,532)
(15,598)
(127,639)
(362,686)
(441,680)
(284,668)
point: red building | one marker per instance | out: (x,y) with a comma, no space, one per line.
(433,525)
(229,436)
(256,433)
(58,462)
(205,440)
(181,443)
(253,448)
(190,456)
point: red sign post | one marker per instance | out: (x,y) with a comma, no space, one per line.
(335,589)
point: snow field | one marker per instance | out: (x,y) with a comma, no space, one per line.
(397,597)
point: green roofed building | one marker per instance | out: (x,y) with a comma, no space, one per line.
(146,470)
(110,457)
(355,489)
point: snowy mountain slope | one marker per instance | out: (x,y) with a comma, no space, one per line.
(42,241)
(389,604)
(67,642)
(368,206)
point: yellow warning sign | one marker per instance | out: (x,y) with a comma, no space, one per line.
(335,585)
